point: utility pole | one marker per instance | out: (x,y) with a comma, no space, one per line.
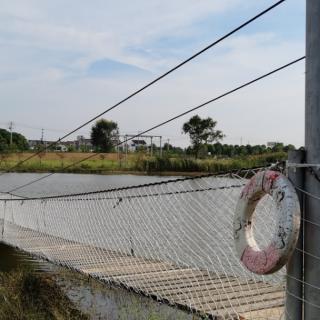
(126,148)
(312,175)
(160,147)
(11,125)
(42,140)
(168,145)
(118,148)
(151,146)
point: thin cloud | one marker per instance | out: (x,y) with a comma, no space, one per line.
(50,48)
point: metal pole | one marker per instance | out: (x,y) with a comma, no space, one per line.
(126,147)
(312,145)
(160,146)
(151,147)
(295,265)
(10,128)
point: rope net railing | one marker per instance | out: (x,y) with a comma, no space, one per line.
(170,240)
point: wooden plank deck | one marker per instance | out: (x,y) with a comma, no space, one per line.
(218,296)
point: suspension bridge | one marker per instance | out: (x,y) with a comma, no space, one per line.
(172,240)
(169,240)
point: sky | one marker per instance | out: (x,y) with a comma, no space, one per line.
(63,62)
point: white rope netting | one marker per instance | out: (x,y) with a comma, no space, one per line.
(171,240)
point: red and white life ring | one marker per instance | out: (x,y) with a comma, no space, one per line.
(277,253)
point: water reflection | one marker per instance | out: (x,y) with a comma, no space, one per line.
(93,298)
(13,259)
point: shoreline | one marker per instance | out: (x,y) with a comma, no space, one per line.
(136,164)
(116,172)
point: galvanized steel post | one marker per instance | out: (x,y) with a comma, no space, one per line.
(312,176)
(295,264)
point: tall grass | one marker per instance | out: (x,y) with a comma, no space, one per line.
(142,163)
(207,165)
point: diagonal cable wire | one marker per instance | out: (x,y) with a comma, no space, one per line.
(171,119)
(151,83)
(238,173)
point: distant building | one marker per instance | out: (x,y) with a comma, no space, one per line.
(83,143)
(68,144)
(62,146)
(134,145)
(272,144)
(34,143)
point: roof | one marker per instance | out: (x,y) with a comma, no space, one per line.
(139,142)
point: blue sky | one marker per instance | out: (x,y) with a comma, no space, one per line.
(62,63)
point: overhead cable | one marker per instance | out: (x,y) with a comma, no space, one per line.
(150,83)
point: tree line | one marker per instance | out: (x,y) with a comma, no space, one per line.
(229,150)
(204,137)
(202,134)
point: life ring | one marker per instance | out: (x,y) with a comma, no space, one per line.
(276,254)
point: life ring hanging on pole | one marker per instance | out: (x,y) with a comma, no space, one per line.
(277,253)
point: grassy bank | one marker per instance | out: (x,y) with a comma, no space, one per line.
(57,293)
(208,165)
(135,163)
(25,295)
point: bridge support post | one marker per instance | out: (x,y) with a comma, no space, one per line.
(312,174)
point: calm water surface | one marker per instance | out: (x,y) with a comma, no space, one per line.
(62,183)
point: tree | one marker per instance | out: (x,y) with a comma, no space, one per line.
(201,131)
(289,147)
(19,142)
(104,134)
(3,145)
(278,147)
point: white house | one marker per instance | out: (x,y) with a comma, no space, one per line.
(134,145)
(61,148)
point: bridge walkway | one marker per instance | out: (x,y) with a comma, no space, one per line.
(217,295)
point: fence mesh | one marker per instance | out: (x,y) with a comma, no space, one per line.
(170,240)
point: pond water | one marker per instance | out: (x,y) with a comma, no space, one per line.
(12,259)
(62,183)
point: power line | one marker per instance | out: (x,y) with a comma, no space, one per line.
(41,128)
(153,81)
(172,119)
(26,126)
